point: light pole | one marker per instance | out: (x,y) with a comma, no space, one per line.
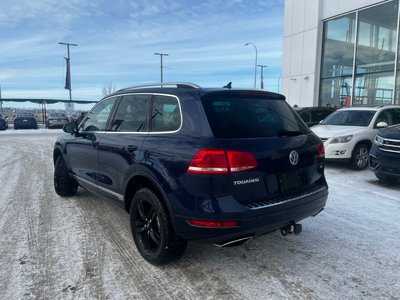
(255,65)
(68,73)
(262,75)
(161,63)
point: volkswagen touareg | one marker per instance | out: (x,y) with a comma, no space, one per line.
(215,165)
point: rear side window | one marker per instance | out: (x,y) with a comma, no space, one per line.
(251,117)
(165,114)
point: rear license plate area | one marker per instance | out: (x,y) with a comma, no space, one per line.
(289,182)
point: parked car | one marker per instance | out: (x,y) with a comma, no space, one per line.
(314,115)
(211,165)
(25,120)
(78,116)
(57,120)
(349,132)
(384,157)
(3,122)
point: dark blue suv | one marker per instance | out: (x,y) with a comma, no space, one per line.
(211,165)
(384,156)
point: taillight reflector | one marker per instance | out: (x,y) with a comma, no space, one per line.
(210,161)
(321,150)
(215,224)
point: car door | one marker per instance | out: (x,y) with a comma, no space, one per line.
(119,147)
(83,147)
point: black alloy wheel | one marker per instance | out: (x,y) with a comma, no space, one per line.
(152,230)
(64,184)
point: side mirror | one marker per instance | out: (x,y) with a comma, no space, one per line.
(382,125)
(70,127)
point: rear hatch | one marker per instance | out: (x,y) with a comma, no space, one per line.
(261,126)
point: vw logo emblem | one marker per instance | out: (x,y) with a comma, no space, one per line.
(294,157)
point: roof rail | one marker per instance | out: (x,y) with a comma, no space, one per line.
(182,85)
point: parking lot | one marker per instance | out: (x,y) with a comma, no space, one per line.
(81,247)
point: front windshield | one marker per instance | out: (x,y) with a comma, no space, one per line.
(350,118)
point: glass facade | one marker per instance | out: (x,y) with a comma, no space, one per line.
(358,64)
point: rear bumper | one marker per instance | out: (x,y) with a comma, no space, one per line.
(254,222)
(56,124)
(23,125)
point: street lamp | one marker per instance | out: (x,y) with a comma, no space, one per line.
(255,65)
(161,63)
(68,73)
(262,75)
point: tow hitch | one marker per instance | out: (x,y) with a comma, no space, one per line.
(290,229)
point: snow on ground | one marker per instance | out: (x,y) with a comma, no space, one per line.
(81,247)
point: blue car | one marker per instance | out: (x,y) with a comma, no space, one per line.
(384,156)
(25,121)
(3,122)
(212,165)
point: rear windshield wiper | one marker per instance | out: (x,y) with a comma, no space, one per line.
(284,132)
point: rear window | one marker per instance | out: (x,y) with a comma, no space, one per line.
(244,116)
(58,115)
(25,115)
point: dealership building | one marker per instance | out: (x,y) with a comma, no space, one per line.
(341,52)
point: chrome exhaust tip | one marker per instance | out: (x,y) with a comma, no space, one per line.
(233,243)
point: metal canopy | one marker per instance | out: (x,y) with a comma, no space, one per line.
(46,101)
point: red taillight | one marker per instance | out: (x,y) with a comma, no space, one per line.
(321,150)
(211,161)
(241,161)
(216,224)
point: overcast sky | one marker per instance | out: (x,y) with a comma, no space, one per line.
(117,41)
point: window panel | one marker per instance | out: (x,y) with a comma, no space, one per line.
(97,118)
(132,114)
(375,51)
(338,46)
(166,114)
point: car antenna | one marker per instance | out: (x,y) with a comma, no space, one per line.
(228,86)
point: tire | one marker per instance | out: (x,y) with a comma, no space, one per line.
(152,231)
(64,184)
(359,159)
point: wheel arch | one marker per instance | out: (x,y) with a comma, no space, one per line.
(142,180)
(365,142)
(56,154)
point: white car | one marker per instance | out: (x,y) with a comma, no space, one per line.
(349,132)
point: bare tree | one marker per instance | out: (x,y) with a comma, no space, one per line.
(108,89)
